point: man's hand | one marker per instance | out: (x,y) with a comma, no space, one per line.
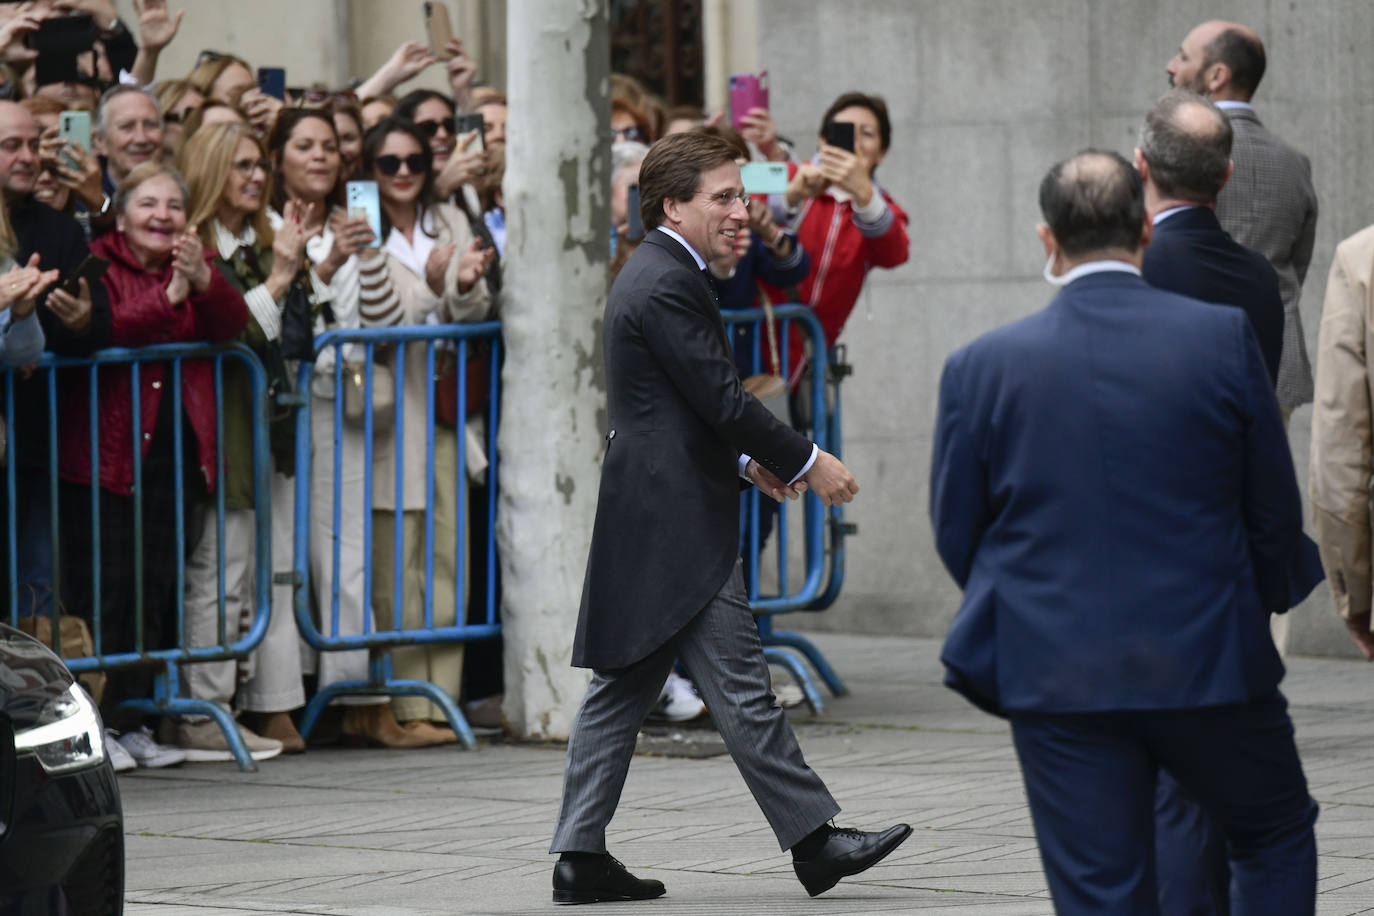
(831,480)
(770,483)
(1361,636)
(156,26)
(73,311)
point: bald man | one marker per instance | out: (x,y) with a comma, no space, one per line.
(1269,204)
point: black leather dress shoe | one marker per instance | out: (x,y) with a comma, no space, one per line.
(846,852)
(599,879)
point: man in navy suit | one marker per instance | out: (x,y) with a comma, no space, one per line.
(1184,160)
(1110,487)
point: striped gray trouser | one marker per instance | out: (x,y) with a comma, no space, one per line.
(721,651)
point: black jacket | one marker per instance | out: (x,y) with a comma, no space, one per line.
(60,243)
(667,518)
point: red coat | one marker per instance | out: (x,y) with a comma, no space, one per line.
(841,256)
(141,315)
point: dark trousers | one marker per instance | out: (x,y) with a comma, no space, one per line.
(122,603)
(721,651)
(1090,780)
(1190,855)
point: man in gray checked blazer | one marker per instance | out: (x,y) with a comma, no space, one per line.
(1269,204)
(663,577)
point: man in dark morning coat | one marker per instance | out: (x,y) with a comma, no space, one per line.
(1269,204)
(1112,490)
(663,578)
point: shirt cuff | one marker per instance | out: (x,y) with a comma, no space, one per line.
(265,310)
(319,290)
(815,450)
(874,209)
(744,463)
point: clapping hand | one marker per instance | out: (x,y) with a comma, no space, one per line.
(288,248)
(190,270)
(473,264)
(20,287)
(436,265)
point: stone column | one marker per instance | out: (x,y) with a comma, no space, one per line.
(553,406)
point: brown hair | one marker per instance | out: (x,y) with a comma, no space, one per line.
(209,70)
(672,170)
(728,134)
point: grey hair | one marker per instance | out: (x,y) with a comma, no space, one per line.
(626,155)
(1187,160)
(102,113)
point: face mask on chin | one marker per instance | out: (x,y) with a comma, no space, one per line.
(1050,276)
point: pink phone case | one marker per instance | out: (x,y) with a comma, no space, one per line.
(747,91)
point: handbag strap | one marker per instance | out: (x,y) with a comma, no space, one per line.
(771,324)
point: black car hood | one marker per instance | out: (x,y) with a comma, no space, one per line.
(34,684)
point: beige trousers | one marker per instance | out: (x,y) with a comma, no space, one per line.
(441,665)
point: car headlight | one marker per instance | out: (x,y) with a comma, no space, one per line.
(71,736)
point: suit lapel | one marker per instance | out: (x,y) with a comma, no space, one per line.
(681,255)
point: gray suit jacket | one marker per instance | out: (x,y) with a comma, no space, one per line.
(666,536)
(1270,205)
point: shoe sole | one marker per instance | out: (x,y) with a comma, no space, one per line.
(576,897)
(815,890)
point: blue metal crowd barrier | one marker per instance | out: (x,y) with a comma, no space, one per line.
(823,530)
(327,634)
(166,698)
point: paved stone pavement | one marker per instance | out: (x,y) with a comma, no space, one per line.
(384,833)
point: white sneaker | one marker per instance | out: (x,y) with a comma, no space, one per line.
(204,742)
(678,701)
(119,758)
(147,752)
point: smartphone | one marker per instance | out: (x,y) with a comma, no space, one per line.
(635,230)
(90,270)
(439,29)
(746,91)
(63,34)
(272,81)
(363,203)
(74,127)
(841,134)
(764,177)
(469,122)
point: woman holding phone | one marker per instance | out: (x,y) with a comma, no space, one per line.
(459,156)
(304,148)
(436,265)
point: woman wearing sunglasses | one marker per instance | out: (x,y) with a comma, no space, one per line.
(458,160)
(436,266)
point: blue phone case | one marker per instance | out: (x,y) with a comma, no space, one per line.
(362,200)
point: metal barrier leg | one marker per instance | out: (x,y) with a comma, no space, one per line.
(813,655)
(383,685)
(780,656)
(165,702)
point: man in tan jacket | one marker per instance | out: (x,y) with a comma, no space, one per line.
(1340,471)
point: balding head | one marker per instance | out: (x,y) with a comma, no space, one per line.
(1186,149)
(19,163)
(1092,203)
(1221,60)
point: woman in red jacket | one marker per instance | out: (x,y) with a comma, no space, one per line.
(162,289)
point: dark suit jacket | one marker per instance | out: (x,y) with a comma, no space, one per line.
(1193,256)
(667,519)
(1111,487)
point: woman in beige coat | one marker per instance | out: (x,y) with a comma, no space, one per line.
(436,268)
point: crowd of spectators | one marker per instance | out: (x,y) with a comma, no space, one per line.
(220,210)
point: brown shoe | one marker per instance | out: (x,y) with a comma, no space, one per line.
(433,732)
(375,726)
(277,725)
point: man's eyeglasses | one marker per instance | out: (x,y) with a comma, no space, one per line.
(246,167)
(727,198)
(390,165)
(431,128)
(627,133)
